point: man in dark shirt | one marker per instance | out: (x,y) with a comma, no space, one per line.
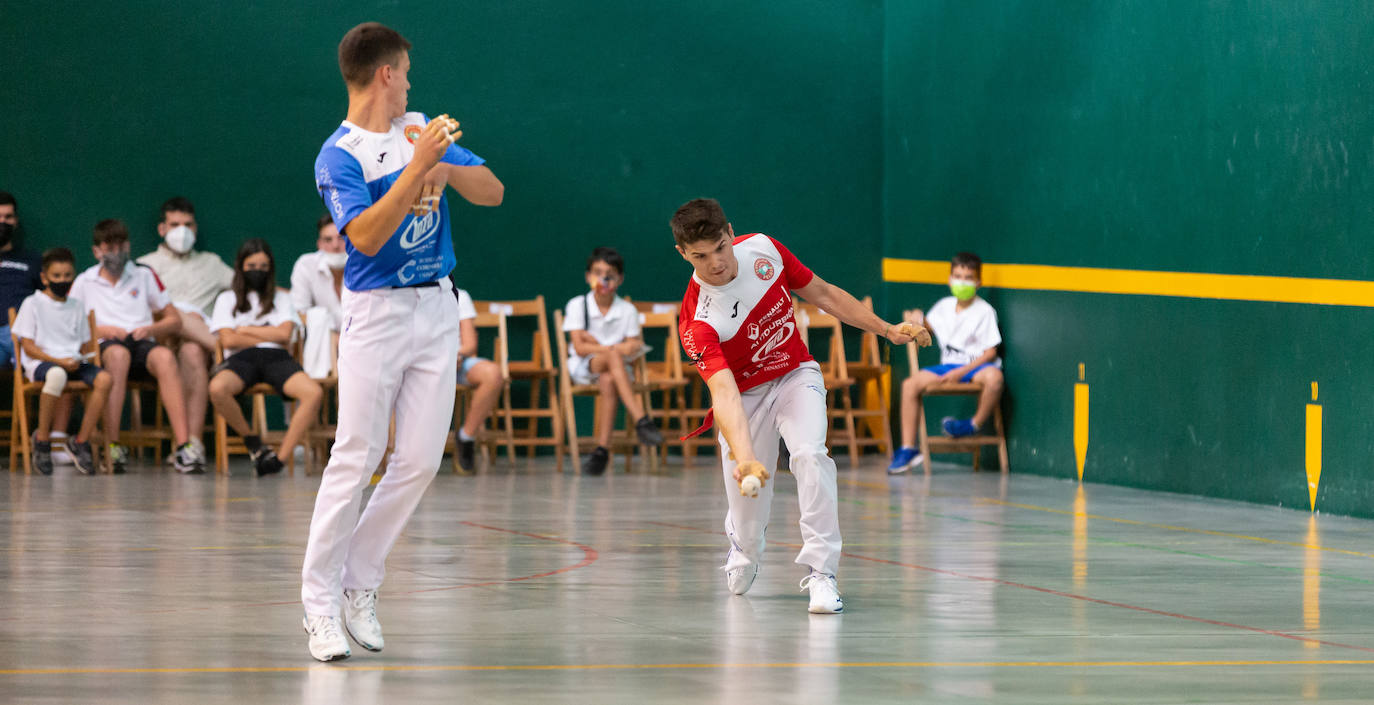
(18,274)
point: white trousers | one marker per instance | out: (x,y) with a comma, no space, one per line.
(791,407)
(397,351)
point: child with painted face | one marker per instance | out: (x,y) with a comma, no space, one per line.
(965,326)
(55,336)
(255,322)
(605,336)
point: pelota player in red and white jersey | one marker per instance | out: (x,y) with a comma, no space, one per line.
(737,317)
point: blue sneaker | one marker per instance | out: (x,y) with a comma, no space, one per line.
(904,459)
(958,428)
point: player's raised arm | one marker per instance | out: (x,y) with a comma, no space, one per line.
(370,230)
(476,184)
(844,306)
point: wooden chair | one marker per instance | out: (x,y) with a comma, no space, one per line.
(624,440)
(968,444)
(664,373)
(257,418)
(835,372)
(21,444)
(539,372)
(498,431)
(875,385)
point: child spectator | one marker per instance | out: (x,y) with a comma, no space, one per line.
(481,374)
(132,310)
(255,322)
(965,326)
(604,331)
(56,337)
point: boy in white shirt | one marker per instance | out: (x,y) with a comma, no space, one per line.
(966,328)
(316,292)
(132,310)
(254,335)
(604,332)
(56,339)
(478,373)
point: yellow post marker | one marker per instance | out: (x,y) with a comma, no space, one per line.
(1080,420)
(1314,448)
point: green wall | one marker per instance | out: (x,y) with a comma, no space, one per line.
(601,118)
(1227,137)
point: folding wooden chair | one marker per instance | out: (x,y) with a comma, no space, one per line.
(21,444)
(539,372)
(968,444)
(874,427)
(835,372)
(257,418)
(498,431)
(624,440)
(665,377)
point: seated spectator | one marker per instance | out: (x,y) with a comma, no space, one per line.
(483,375)
(965,326)
(316,290)
(56,337)
(18,272)
(193,279)
(132,310)
(255,322)
(604,332)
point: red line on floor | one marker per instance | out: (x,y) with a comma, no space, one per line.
(1058,593)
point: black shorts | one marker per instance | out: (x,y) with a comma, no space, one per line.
(267,365)
(138,353)
(85,373)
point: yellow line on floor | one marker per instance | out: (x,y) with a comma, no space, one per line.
(1209,532)
(667,666)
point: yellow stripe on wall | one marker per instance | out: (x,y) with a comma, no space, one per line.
(1238,287)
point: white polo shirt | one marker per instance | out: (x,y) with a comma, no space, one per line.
(964,335)
(226,317)
(128,303)
(617,324)
(312,284)
(192,280)
(59,328)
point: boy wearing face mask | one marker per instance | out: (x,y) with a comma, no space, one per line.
(132,310)
(255,321)
(55,334)
(604,331)
(966,328)
(18,272)
(193,279)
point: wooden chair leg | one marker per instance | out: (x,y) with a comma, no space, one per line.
(21,411)
(847,406)
(570,423)
(509,419)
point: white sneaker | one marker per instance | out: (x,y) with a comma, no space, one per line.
(739,580)
(327,642)
(360,618)
(825,595)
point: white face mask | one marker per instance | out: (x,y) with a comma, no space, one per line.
(334,260)
(180,239)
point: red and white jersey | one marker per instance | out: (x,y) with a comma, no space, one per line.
(747,325)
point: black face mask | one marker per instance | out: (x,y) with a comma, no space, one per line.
(60,289)
(256,279)
(6,233)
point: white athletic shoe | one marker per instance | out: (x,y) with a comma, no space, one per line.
(327,642)
(360,618)
(740,580)
(825,595)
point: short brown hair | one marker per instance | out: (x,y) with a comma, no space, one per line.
(323,220)
(698,219)
(177,204)
(366,47)
(110,231)
(967,259)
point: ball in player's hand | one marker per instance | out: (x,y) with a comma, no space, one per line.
(750,485)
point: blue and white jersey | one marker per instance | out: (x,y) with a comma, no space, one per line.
(354,169)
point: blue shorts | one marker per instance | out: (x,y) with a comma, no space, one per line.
(85,373)
(468,364)
(942,370)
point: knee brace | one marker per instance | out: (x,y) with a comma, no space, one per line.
(55,381)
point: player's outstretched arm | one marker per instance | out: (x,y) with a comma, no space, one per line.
(844,306)
(370,230)
(728,410)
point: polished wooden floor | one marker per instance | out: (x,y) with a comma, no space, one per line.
(520,585)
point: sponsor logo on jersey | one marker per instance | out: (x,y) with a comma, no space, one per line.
(420,231)
(407,273)
(764,269)
(381,157)
(775,341)
(326,183)
(412,133)
(753,331)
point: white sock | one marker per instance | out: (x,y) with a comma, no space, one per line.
(463,436)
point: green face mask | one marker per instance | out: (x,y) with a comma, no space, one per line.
(963,289)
